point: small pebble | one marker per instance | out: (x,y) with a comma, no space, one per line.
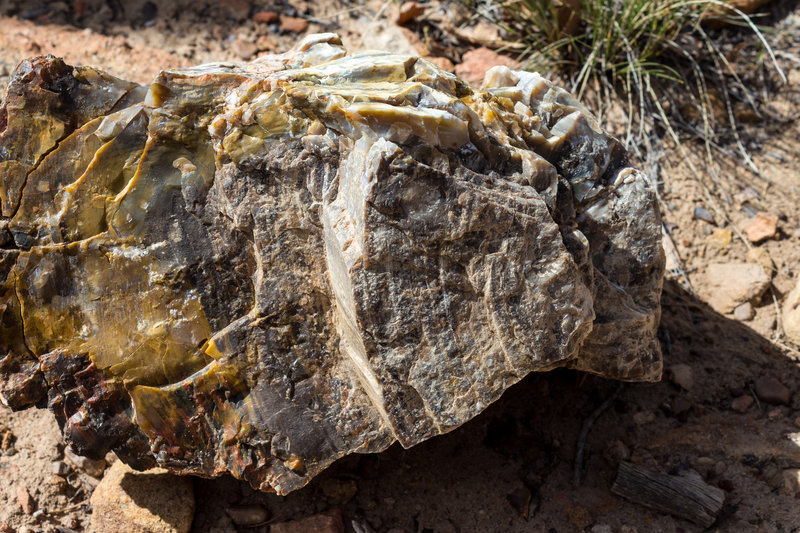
(643,417)
(408,12)
(682,376)
(247,515)
(701,213)
(294,24)
(761,227)
(770,390)
(791,481)
(742,403)
(25,500)
(93,467)
(265,17)
(744,312)
(60,468)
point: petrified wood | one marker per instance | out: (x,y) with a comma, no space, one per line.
(258,268)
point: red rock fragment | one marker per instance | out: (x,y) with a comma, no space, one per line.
(294,24)
(770,390)
(266,17)
(742,403)
(328,522)
(476,62)
(442,62)
(408,12)
(25,500)
(761,227)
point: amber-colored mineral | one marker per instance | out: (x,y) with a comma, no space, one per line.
(258,268)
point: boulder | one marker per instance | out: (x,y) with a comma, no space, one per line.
(154,501)
(259,268)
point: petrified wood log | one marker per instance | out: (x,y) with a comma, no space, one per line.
(259,268)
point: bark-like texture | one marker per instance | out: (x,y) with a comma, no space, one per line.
(259,268)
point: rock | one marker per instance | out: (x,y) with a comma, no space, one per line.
(294,24)
(742,403)
(643,417)
(744,312)
(475,63)
(791,314)
(760,256)
(681,375)
(265,17)
(601,528)
(720,238)
(770,390)
(729,285)
(761,227)
(60,468)
(247,515)
(142,502)
(25,500)
(443,63)
(93,467)
(260,268)
(791,481)
(408,11)
(328,522)
(701,213)
(244,48)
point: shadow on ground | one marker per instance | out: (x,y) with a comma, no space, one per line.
(511,469)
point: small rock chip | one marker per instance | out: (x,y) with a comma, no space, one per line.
(601,528)
(244,48)
(476,62)
(60,468)
(442,62)
(294,24)
(742,403)
(682,376)
(770,390)
(760,256)
(720,238)
(93,467)
(408,12)
(744,312)
(701,213)
(791,314)
(791,481)
(265,17)
(729,285)
(643,417)
(761,227)
(328,522)
(25,500)
(146,502)
(247,515)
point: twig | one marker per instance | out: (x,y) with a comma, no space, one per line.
(758,403)
(587,425)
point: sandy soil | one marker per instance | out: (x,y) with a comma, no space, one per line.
(512,468)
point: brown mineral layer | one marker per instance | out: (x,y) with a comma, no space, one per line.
(258,268)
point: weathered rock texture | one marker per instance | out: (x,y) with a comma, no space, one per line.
(258,268)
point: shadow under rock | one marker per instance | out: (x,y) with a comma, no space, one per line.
(511,468)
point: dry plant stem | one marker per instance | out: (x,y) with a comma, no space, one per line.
(587,425)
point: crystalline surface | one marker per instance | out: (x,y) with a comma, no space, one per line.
(259,268)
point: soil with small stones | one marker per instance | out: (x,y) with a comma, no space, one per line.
(513,467)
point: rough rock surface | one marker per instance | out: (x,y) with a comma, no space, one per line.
(142,502)
(259,268)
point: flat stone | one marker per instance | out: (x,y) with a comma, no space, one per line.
(791,314)
(741,404)
(265,17)
(682,376)
(761,227)
(770,390)
(729,285)
(744,312)
(328,522)
(25,500)
(154,501)
(408,12)
(259,268)
(475,63)
(294,24)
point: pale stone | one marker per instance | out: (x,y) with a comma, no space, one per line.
(142,502)
(731,284)
(791,314)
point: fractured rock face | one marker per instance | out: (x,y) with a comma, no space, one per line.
(258,268)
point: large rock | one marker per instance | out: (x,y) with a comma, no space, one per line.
(150,502)
(259,268)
